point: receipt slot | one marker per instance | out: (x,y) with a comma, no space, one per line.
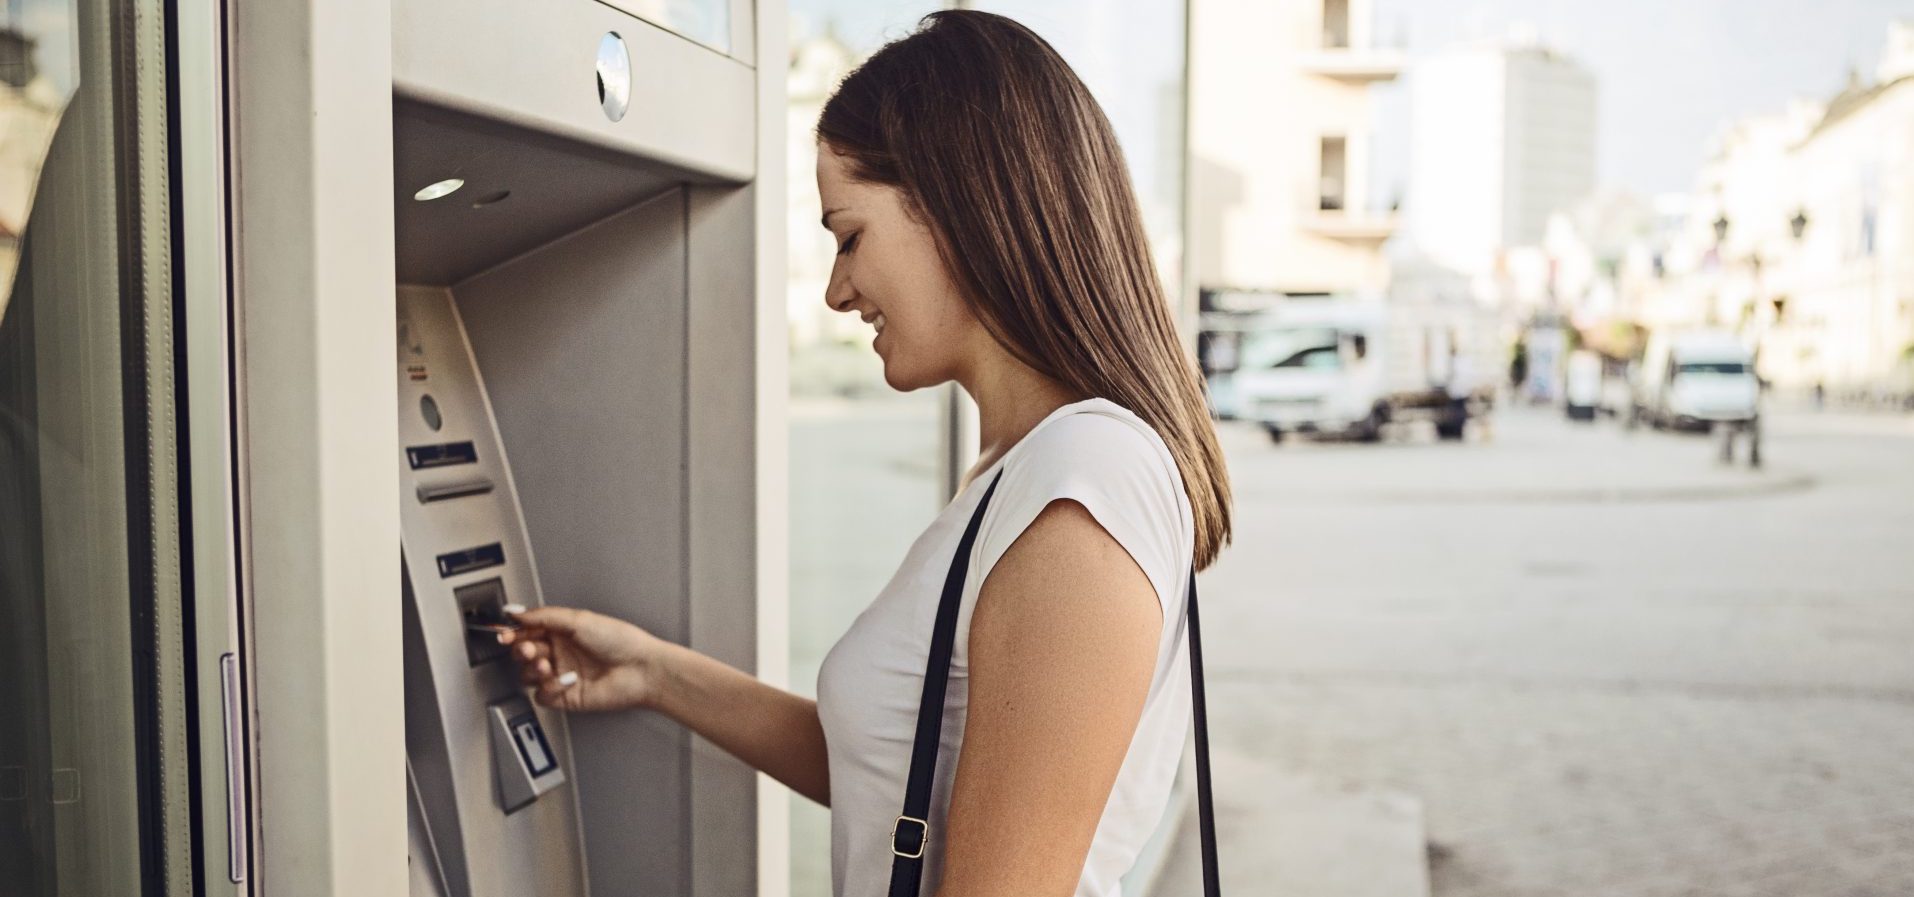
(580,334)
(526,765)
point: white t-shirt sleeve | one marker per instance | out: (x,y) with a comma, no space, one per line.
(1121,475)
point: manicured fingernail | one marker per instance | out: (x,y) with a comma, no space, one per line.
(513,609)
(568,679)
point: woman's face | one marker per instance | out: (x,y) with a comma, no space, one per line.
(889,273)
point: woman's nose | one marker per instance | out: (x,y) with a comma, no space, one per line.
(838,293)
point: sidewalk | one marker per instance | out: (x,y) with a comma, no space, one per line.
(1282,832)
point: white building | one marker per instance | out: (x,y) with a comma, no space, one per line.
(1801,236)
(1839,306)
(1504,137)
(1280,146)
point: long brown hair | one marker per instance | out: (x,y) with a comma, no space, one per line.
(999,147)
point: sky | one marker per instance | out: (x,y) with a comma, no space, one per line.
(1670,74)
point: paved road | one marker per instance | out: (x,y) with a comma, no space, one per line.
(1604,664)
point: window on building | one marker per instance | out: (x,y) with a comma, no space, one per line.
(1333,185)
(1335,24)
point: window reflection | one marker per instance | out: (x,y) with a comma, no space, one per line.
(83,807)
(865,474)
(37,79)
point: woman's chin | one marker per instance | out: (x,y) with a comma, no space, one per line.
(903,379)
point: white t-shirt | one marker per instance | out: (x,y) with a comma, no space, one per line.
(1105,458)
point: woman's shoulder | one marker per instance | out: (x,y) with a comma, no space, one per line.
(1099,448)
(1096,435)
(1105,458)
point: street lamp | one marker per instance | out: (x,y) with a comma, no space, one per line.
(1721,227)
(1799,223)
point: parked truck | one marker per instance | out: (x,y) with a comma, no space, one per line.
(1351,366)
(1697,379)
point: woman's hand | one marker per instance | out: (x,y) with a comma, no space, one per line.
(579,660)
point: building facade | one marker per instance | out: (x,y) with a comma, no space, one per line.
(1800,236)
(1504,137)
(1281,141)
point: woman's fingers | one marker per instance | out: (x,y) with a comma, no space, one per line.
(537,655)
(552,691)
(561,620)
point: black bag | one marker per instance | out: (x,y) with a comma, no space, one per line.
(911,832)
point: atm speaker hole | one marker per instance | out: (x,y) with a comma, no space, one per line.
(489,199)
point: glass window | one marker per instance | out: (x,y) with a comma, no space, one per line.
(92,761)
(1290,348)
(1714,367)
(865,459)
(706,21)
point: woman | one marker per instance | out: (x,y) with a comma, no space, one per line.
(989,234)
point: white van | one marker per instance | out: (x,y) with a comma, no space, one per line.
(1694,380)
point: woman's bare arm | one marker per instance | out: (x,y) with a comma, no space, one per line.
(1062,647)
(776,732)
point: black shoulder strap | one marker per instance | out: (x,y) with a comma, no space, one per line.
(910,834)
(1205,804)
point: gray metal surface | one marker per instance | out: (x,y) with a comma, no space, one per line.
(533,65)
(582,344)
(485,850)
(552,187)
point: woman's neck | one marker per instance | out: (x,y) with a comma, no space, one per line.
(1012,398)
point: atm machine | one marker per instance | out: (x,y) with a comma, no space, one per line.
(575,217)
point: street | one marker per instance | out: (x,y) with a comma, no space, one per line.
(1602,663)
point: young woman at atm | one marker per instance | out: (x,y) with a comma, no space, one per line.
(988,232)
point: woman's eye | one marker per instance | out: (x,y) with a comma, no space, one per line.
(847,244)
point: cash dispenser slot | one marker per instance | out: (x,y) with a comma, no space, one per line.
(453,563)
(444,454)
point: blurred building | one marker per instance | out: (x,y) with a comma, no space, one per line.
(1838,308)
(1504,138)
(1280,144)
(1800,236)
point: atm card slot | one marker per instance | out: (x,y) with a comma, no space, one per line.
(445,454)
(443,491)
(482,607)
(456,562)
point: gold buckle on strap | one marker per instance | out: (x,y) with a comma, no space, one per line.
(923,838)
